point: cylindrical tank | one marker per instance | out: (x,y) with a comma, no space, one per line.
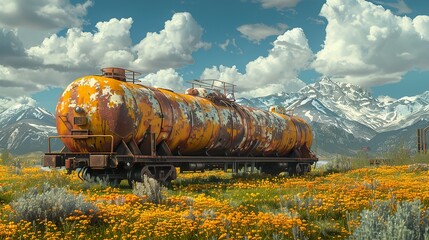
(196,123)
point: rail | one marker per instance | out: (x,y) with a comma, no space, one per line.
(79,137)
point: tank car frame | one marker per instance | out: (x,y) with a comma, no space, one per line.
(99,145)
(131,163)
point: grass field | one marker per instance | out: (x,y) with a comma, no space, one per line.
(216,205)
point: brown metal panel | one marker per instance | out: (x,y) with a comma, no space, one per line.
(98,161)
(80,120)
(53,161)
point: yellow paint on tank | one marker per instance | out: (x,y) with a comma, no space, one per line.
(110,108)
(189,124)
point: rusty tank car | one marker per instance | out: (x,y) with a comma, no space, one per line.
(114,128)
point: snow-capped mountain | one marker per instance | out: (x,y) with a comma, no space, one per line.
(407,111)
(24,126)
(348,101)
(345,109)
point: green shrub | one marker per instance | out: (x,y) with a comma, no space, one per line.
(408,222)
(51,204)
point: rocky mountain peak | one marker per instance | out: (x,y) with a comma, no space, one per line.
(336,91)
(24,126)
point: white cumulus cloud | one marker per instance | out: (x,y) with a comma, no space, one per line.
(15,82)
(271,74)
(33,20)
(165,78)
(259,31)
(13,52)
(42,14)
(368,45)
(173,46)
(59,59)
(109,45)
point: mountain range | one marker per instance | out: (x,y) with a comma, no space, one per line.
(345,118)
(24,126)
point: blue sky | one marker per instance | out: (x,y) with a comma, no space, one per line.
(262,46)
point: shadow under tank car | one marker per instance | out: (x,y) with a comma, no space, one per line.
(115,128)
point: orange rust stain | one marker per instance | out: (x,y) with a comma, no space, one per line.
(190,125)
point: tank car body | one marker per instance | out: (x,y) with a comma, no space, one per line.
(115,128)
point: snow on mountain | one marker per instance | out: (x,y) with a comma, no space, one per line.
(406,111)
(313,110)
(22,112)
(353,103)
(24,126)
(346,109)
(348,101)
(385,100)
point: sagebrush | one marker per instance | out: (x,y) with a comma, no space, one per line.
(50,204)
(408,222)
(150,188)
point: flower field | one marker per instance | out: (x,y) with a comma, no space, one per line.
(215,205)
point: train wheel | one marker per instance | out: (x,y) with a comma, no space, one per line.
(134,175)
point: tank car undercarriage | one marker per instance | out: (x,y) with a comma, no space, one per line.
(131,161)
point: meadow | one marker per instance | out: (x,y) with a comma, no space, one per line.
(345,199)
